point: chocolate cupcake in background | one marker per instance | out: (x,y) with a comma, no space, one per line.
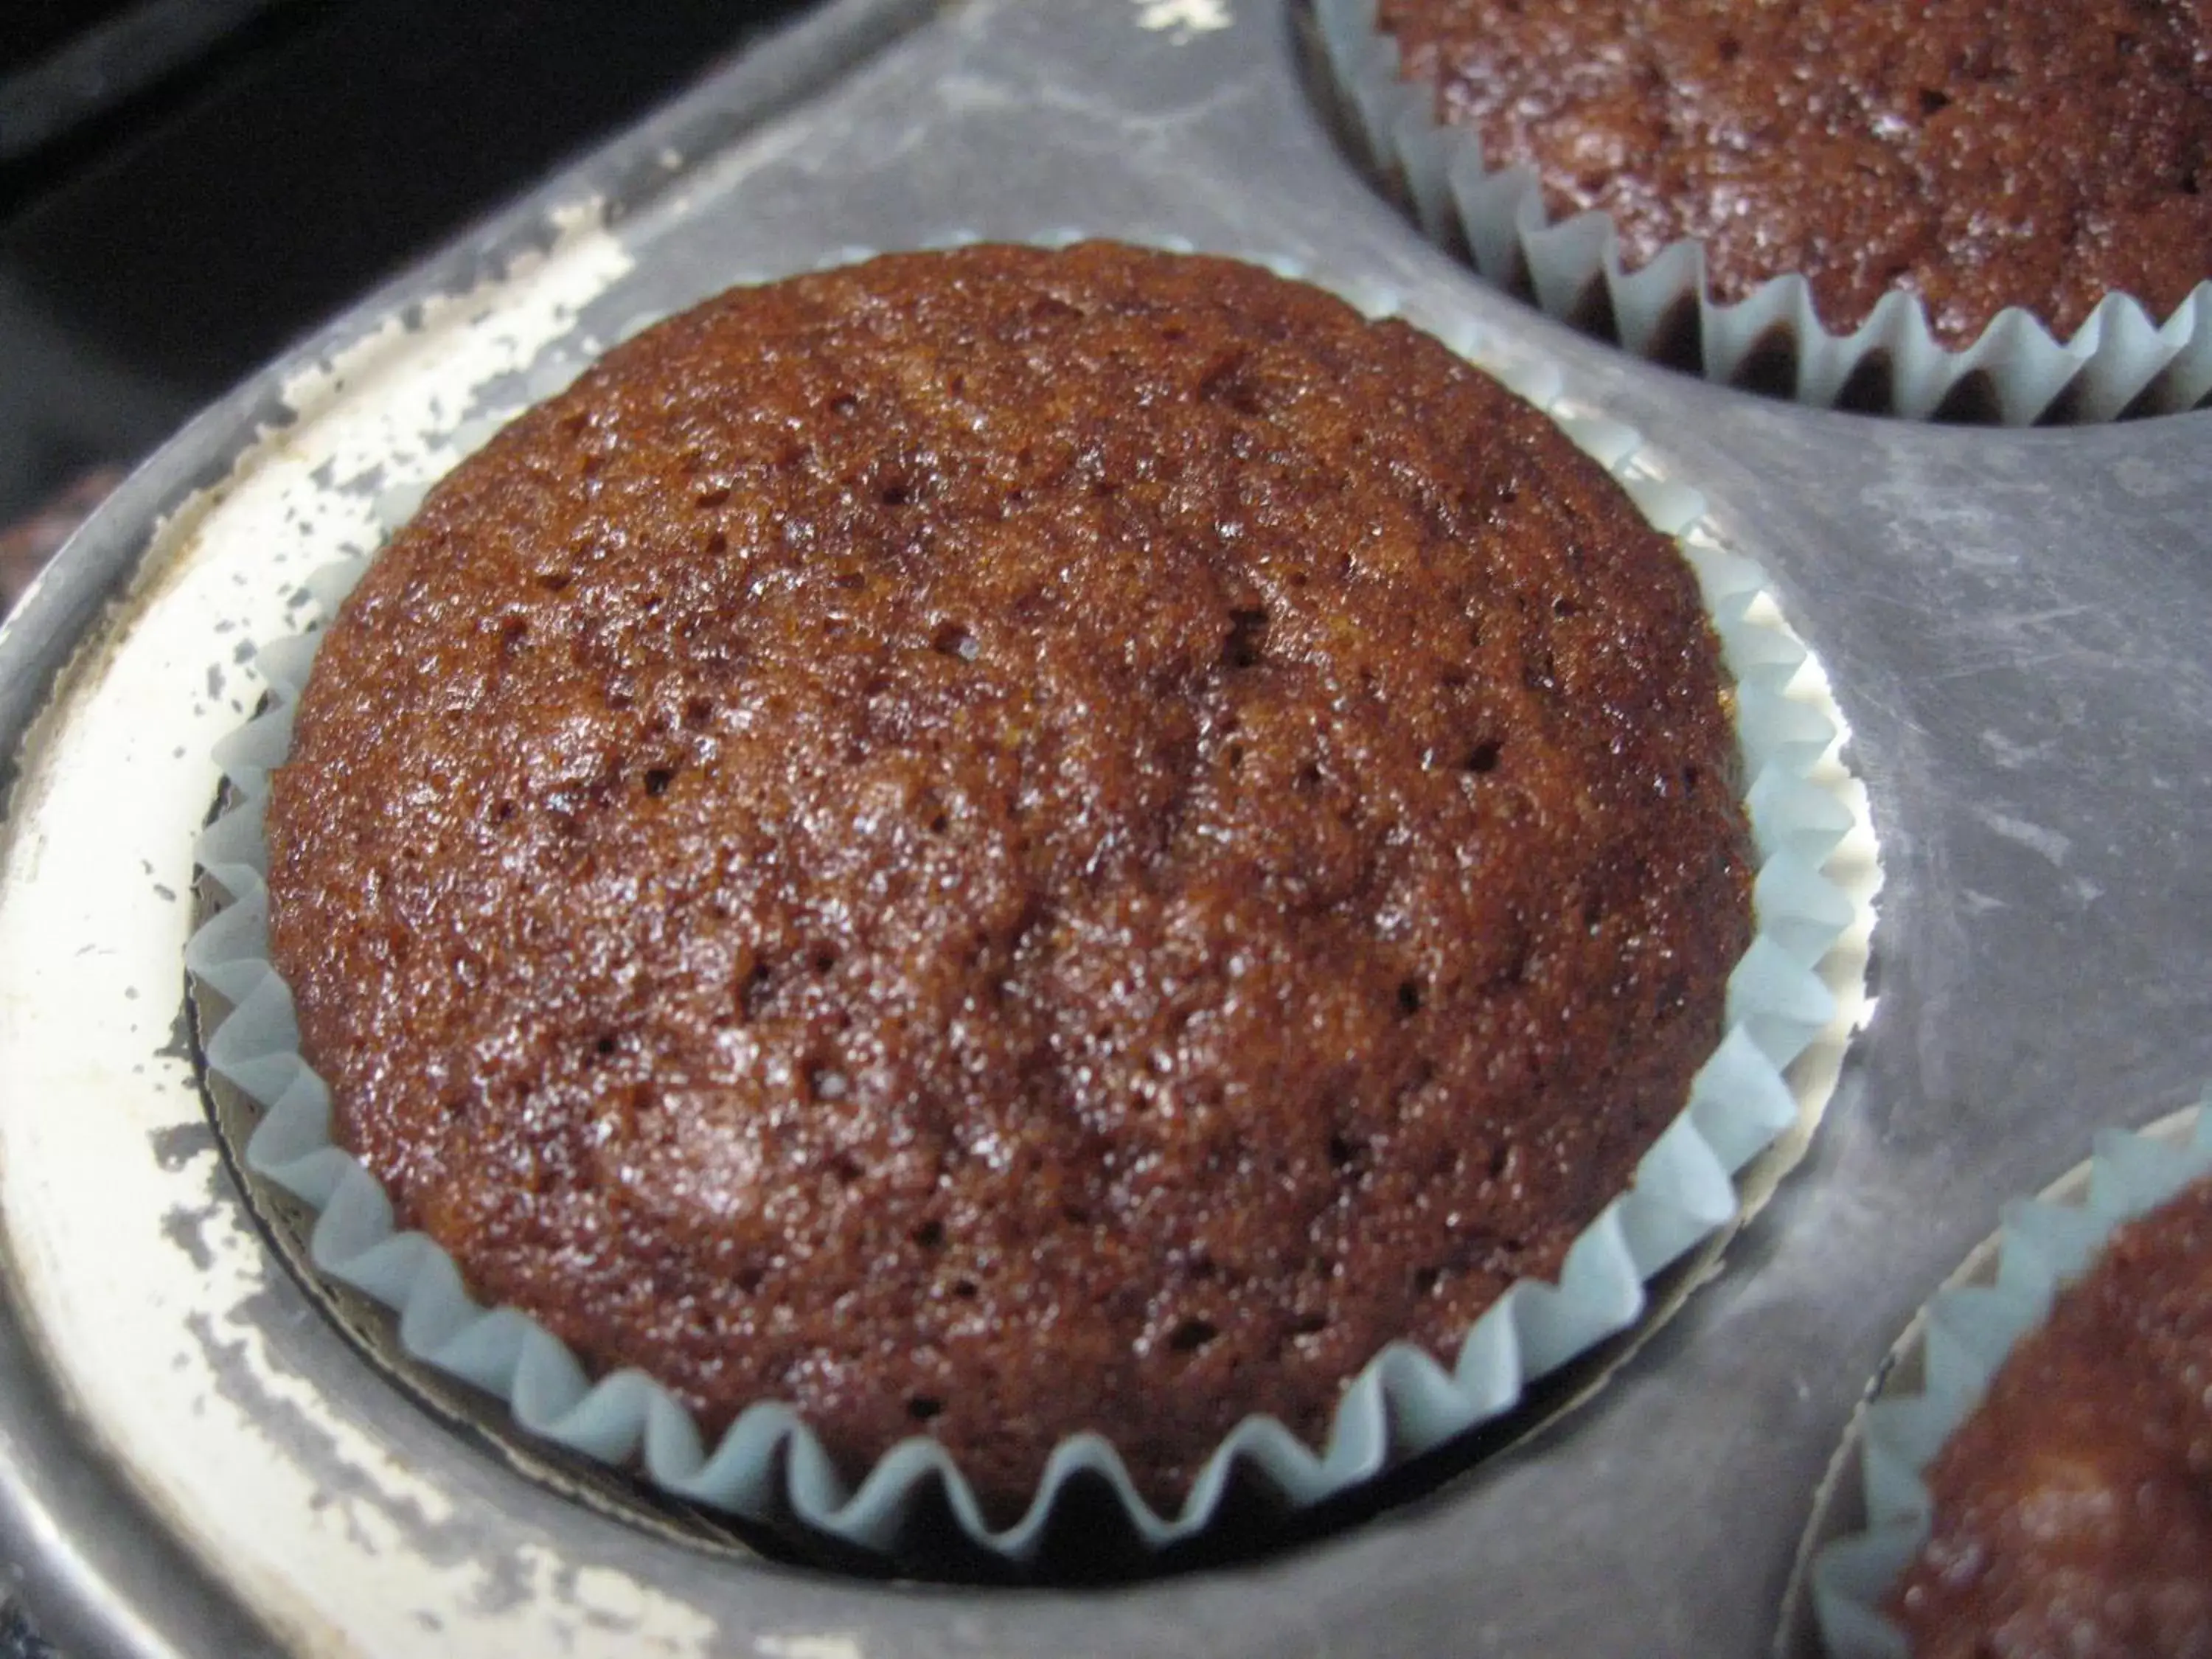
(2068,1509)
(1005,862)
(2035,1472)
(1964,162)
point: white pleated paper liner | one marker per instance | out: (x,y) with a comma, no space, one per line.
(2121,360)
(769,1467)
(1944,1364)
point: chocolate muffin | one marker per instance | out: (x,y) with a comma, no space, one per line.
(2070,1512)
(1979,152)
(1006,842)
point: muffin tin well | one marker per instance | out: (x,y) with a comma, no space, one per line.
(196,1461)
(1536,1351)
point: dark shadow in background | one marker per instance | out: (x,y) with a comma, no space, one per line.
(167,235)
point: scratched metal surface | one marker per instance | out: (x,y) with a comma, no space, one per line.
(2014,622)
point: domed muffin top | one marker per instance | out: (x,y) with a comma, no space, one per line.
(1002,843)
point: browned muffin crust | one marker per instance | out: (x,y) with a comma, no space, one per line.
(1982,153)
(1011,843)
(2074,1508)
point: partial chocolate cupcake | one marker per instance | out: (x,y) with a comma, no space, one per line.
(1068,859)
(1960,188)
(2046,1493)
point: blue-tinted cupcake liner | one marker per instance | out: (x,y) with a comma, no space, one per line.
(1965,1332)
(1496,218)
(769,1466)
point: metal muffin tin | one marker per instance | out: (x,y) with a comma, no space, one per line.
(194,1461)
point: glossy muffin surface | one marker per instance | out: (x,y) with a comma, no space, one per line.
(1002,843)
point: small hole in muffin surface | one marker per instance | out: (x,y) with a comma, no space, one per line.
(953,639)
(1247,642)
(1192,1335)
(1484,756)
(930,1235)
(1409,997)
(922,1407)
(658,779)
